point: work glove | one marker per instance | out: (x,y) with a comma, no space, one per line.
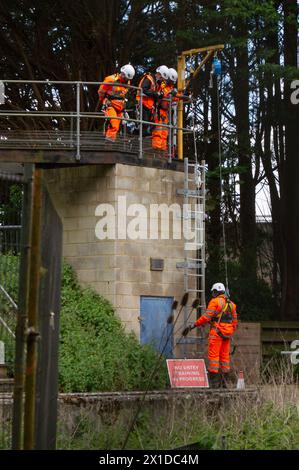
(188,329)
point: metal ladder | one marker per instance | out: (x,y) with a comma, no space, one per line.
(194,251)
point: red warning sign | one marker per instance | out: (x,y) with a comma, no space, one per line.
(187,373)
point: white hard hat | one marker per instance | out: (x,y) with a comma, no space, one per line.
(128,71)
(173,75)
(219,287)
(164,71)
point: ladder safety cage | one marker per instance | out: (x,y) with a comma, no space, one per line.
(194,251)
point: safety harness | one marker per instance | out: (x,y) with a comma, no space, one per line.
(225,316)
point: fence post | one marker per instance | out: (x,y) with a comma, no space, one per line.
(78,156)
(22,313)
(33,304)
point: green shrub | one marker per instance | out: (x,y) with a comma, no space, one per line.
(96,354)
(9,278)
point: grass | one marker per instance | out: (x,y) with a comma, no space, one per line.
(240,423)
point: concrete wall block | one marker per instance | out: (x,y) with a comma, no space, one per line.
(76,236)
(155,186)
(87,222)
(123,182)
(132,275)
(141,185)
(124,288)
(70,250)
(87,276)
(127,301)
(104,275)
(127,170)
(105,196)
(84,249)
(87,262)
(103,247)
(150,173)
(124,262)
(70,223)
(128,315)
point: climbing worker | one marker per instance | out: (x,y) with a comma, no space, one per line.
(160,133)
(222,315)
(112,95)
(149,97)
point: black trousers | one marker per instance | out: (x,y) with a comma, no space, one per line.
(147,115)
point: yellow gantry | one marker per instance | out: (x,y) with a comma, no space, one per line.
(182,84)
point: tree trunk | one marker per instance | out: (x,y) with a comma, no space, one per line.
(290,199)
(247,185)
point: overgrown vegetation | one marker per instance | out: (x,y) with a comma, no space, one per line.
(240,424)
(96,354)
(9,265)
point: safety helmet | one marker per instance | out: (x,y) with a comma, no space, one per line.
(173,75)
(128,71)
(219,287)
(164,71)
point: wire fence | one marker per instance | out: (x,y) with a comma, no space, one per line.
(10,232)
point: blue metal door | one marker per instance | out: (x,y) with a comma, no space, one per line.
(154,329)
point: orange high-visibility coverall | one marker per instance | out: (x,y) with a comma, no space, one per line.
(160,133)
(221,313)
(113,96)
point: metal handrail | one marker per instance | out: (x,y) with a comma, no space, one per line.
(78,114)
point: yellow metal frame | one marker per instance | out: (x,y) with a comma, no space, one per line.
(182,83)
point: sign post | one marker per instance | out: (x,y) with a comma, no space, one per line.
(187,373)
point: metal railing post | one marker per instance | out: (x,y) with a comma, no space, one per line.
(78,156)
(140,125)
(170,131)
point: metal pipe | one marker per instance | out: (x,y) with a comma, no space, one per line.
(22,314)
(140,124)
(181,86)
(78,120)
(32,331)
(170,132)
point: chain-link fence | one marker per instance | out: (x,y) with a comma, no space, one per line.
(11,190)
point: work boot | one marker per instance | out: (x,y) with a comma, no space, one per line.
(214,380)
(223,380)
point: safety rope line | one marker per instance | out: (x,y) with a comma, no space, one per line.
(194,136)
(221,185)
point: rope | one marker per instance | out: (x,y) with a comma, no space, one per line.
(194,135)
(221,184)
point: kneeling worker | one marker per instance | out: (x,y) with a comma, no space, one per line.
(222,315)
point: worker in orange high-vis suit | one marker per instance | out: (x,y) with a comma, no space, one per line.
(112,97)
(159,142)
(170,95)
(221,313)
(149,98)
